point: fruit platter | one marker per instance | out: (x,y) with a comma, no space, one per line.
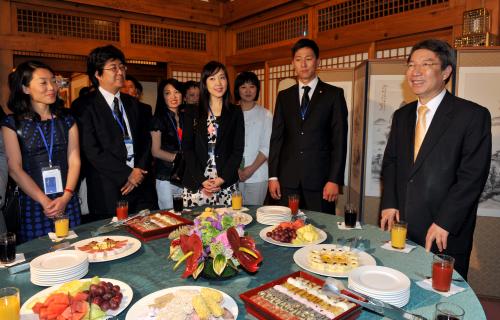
(86,299)
(293,234)
(184,302)
(156,225)
(297,294)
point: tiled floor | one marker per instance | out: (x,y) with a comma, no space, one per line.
(491,308)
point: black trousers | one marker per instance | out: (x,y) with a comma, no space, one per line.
(309,199)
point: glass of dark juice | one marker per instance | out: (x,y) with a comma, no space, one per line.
(178,203)
(350,215)
(448,311)
(7,247)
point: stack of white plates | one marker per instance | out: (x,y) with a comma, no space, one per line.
(59,267)
(381,283)
(272,215)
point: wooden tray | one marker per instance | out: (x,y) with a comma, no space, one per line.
(135,228)
(262,313)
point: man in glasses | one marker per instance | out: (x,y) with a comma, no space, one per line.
(437,158)
(114,140)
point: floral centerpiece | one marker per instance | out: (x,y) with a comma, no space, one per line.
(214,247)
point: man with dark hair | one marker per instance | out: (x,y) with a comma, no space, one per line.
(309,137)
(133,88)
(437,158)
(192,94)
(114,140)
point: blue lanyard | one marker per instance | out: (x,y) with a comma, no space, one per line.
(303,112)
(49,149)
(175,128)
(122,125)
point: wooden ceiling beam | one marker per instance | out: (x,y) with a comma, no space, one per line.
(197,11)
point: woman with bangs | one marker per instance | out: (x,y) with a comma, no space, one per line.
(43,153)
(213,142)
(166,135)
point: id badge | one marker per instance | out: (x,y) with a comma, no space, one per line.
(52,180)
(130,152)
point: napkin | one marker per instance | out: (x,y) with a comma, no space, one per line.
(341,226)
(54,238)
(407,249)
(19,258)
(427,285)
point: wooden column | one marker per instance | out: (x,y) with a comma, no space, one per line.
(6,61)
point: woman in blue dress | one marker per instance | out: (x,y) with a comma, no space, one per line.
(43,154)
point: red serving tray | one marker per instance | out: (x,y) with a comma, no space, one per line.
(152,234)
(262,313)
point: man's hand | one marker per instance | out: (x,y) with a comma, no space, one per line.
(245,173)
(388,218)
(439,234)
(330,191)
(136,176)
(274,189)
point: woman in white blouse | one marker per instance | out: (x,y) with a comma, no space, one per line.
(258,125)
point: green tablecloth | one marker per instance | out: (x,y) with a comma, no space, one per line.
(149,270)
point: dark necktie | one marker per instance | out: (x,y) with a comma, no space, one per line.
(305,101)
(119,115)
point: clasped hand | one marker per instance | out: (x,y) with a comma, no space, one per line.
(211,185)
(56,206)
(134,180)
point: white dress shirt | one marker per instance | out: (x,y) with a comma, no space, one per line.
(109,97)
(433,105)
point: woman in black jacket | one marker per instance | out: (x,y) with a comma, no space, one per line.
(213,141)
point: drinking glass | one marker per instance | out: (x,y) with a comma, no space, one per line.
(10,303)
(293,203)
(236,200)
(7,247)
(398,234)
(61,225)
(442,271)
(350,215)
(122,209)
(178,203)
(448,311)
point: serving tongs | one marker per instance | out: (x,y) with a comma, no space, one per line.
(333,286)
(114,225)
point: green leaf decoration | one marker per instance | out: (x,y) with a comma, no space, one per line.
(220,263)
(198,270)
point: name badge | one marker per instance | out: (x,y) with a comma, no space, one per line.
(52,180)
(130,152)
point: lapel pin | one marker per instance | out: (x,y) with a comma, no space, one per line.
(320,91)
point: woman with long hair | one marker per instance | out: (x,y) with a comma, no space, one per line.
(213,141)
(258,125)
(166,135)
(43,154)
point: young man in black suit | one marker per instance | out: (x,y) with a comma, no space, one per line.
(437,158)
(309,138)
(115,142)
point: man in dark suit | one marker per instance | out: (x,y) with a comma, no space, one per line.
(309,138)
(115,142)
(437,158)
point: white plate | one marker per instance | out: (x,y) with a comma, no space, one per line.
(230,210)
(58,261)
(379,280)
(51,282)
(133,243)
(245,218)
(262,234)
(140,308)
(301,259)
(274,211)
(125,289)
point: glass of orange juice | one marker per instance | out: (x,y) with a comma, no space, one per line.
(10,303)
(236,200)
(61,224)
(398,234)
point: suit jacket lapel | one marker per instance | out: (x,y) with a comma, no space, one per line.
(317,95)
(410,134)
(110,125)
(440,123)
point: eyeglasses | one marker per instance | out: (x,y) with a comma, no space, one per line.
(115,68)
(425,66)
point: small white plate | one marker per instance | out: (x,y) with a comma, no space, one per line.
(58,261)
(263,232)
(126,290)
(140,308)
(274,211)
(301,258)
(133,244)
